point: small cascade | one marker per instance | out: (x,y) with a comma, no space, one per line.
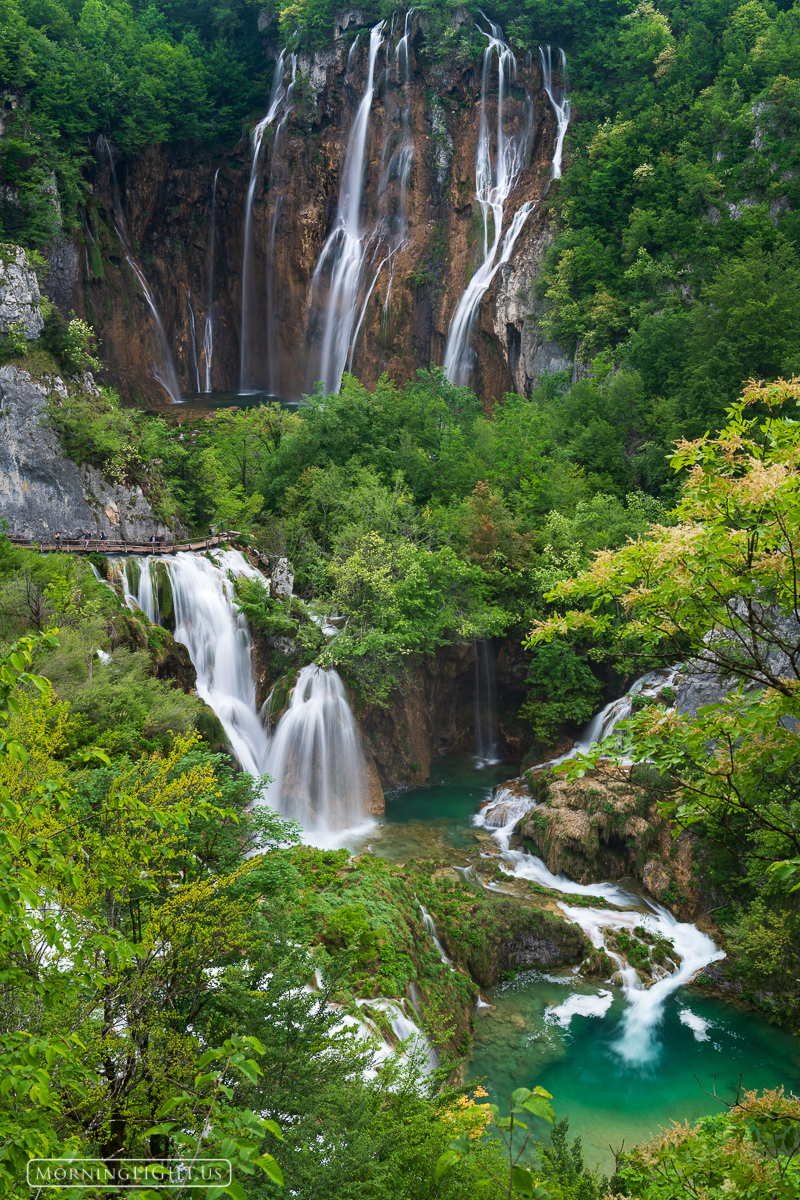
(430,925)
(343,256)
(214,632)
(163,370)
(315,757)
(208,331)
(493,186)
(485,731)
(559,98)
(645,1006)
(249,332)
(692,951)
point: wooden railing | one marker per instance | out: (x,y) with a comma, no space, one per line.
(94,545)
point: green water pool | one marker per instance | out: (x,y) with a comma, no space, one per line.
(536,1033)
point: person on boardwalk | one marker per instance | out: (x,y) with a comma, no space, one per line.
(58,541)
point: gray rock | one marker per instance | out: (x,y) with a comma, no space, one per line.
(19,293)
(61,284)
(282,579)
(730,656)
(42,492)
(531,356)
(441,142)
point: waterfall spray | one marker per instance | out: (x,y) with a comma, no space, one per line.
(344,252)
(493,186)
(315,756)
(208,332)
(163,372)
(559,98)
(249,333)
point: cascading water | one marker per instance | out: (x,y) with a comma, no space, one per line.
(430,925)
(693,950)
(485,732)
(315,757)
(276,183)
(208,331)
(493,186)
(559,98)
(193,332)
(248,370)
(214,632)
(343,256)
(163,371)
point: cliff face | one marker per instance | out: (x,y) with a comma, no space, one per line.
(42,492)
(164,206)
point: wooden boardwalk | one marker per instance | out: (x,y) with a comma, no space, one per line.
(98,546)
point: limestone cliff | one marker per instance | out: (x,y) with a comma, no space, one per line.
(42,492)
(190,251)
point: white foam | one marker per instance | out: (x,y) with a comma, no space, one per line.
(698,1025)
(579,1005)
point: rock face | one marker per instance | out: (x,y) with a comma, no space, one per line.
(42,492)
(597,827)
(19,293)
(166,195)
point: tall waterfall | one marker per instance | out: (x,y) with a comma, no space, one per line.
(485,731)
(275,182)
(193,336)
(208,331)
(559,98)
(344,253)
(315,756)
(163,370)
(248,370)
(493,186)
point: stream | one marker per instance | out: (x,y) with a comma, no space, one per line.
(621,1059)
(572,1035)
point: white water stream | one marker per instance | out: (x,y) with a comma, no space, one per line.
(163,366)
(494,183)
(208,329)
(314,755)
(558,96)
(343,256)
(250,338)
(693,949)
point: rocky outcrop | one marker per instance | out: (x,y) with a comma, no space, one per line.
(599,827)
(19,293)
(42,492)
(166,196)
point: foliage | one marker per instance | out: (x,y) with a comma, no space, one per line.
(523,1102)
(750,1150)
(15,342)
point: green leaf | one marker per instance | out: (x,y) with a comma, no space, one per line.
(270,1168)
(446,1162)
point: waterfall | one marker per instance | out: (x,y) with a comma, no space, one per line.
(163,372)
(559,98)
(693,949)
(315,757)
(193,331)
(430,925)
(208,332)
(210,626)
(344,252)
(493,186)
(274,375)
(485,733)
(249,331)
